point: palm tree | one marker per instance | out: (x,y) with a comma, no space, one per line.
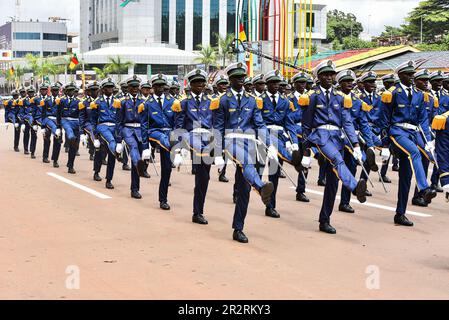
(118,66)
(224,46)
(18,74)
(208,56)
(101,73)
(34,64)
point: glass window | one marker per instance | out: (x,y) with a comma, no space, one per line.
(214,21)
(27,36)
(169,69)
(21,54)
(197,23)
(308,21)
(165,21)
(180,23)
(55,36)
(231,17)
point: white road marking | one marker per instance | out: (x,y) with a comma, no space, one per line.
(374,205)
(79,186)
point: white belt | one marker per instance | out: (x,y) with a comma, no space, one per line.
(132,125)
(357,132)
(70,118)
(109,124)
(240,136)
(405,125)
(329,127)
(275,127)
(200,130)
(51,117)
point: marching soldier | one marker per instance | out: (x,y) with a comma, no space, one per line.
(248,85)
(358,89)
(446,83)
(129,130)
(30,123)
(39,103)
(87,137)
(157,122)
(103,117)
(222,84)
(237,118)
(21,116)
(194,115)
(49,125)
(276,113)
(299,83)
(68,118)
(11,110)
(174,89)
(325,120)
(404,117)
(359,115)
(440,124)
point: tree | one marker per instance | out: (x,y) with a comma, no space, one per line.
(34,64)
(392,32)
(341,25)
(207,56)
(117,66)
(101,73)
(356,43)
(224,47)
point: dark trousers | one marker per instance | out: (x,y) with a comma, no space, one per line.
(165,174)
(202,177)
(425,164)
(26,137)
(16,137)
(405,178)
(98,158)
(73,149)
(322,172)
(352,166)
(330,192)
(241,207)
(301,186)
(33,140)
(56,147)
(90,147)
(273,178)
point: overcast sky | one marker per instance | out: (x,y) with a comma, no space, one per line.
(374,14)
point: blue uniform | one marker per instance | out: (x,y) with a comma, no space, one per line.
(230,117)
(29,116)
(85,125)
(441,126)
(398,111)
(68,118)
(17,105)
(49,119)
(323,119)
(359,114)
(103,118)
(157,121)
(196,119)
(278,118)
(129,129)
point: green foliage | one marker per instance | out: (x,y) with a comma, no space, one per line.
(207,57)
(341,25)
(392,32)
(224,48)
(117,66)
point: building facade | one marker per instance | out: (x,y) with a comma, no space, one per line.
(39,38)
(185,23)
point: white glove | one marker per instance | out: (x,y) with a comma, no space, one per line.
(97,143)
(43,131)
(146,154)
(446,188)
(83,139)
(185,153)
(272,153)
(119,148)
(22,128)
(306,162)
(16,125)
(177,161)
(385,154)
(357,154)
(35,127)
(430,146)
(219,162)
(58,133)
(295,147)
(288,146)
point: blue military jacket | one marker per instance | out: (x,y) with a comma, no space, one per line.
(102,112)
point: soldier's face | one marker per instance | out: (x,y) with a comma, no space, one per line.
(158,89)
(406,78)
(23,94)
(360,85)
(388,85)
(446,85)
(309,86)
(237,82)
(124,89)
(54,92)
(145,91)
(70,92)
(94,93)
(107,91)
(326,79)
(273,86)
(421,84)
(346,86)
(369,86)
(260,87)
(222,87)
(300,86)
(43,92)
(134,90)
(249,87)
(197,86)
(437,84)
(31,94)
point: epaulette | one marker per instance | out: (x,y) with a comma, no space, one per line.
(20,102)
(5,103)
(93,104)
(81,105)
(392,88)
(140,108)
(439,121)
(347,101)
(387,96)
(436,102)
(310,92)
(214,103)
(292,106)
(366,107)
(259,102)
(117,104)
(176,106)
(304,99)
(58,101)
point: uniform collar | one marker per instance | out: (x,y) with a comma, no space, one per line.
(324,90)
(405,88)
(235,93)
(197,95)
(162,96)
(110,97)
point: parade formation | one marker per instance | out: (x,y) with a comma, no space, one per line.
(351,127)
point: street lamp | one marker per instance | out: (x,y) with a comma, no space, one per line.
(421,29)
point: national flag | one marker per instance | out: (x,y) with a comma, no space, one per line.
(73,62)
(11,70)
(242,34)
